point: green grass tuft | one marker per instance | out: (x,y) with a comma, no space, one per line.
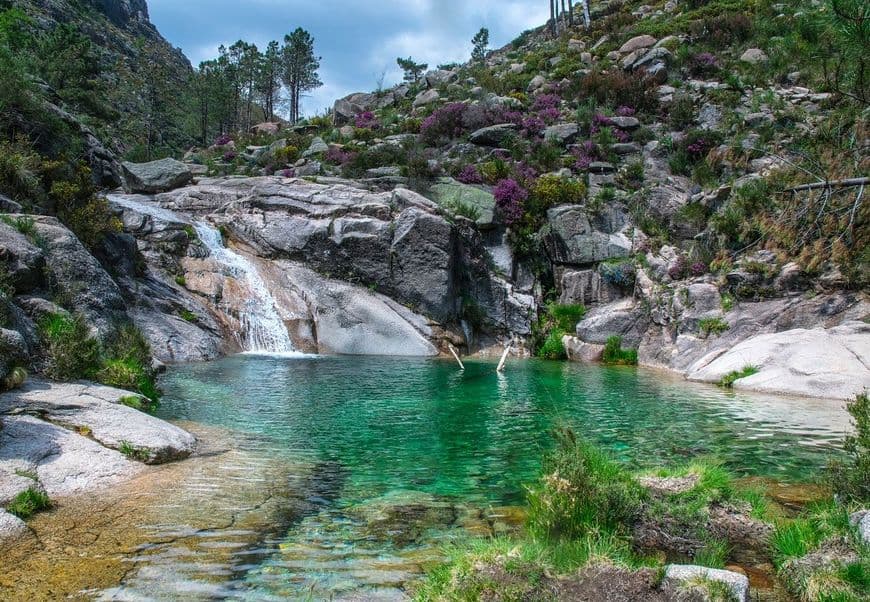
(729,379)
(28,502)
(615,355)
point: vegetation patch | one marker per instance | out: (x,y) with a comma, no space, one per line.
(729,379)
(615,355)
(28,502)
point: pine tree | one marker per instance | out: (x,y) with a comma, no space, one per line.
(300,66)
(413,70)
(269,79)
(481,44)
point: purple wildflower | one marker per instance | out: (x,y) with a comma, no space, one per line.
(625,111)
(367,121)
(509,199)
(470,175)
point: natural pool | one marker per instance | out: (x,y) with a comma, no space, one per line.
(340,477)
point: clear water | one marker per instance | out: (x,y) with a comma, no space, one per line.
(385,428)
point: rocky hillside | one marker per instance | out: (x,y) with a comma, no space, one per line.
(680,185)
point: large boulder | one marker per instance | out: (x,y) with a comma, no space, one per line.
(577,237)
(78,278)
(156,176)
(494,135)
(621,318)
(677,576)
(98,411)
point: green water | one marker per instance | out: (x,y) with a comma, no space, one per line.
(376,426)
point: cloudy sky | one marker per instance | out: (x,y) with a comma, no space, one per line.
(358,40)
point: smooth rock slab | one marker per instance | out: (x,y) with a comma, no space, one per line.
(819,362)
(678,574)
(65,462)
(95,409)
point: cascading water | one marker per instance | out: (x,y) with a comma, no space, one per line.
(262,329)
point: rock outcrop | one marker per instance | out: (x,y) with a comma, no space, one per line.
(156,176)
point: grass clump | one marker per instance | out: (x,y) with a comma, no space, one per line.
(28,502)
(582,491)
(71,352)
(729,379)
(714,326)
(139,454)
(615,355)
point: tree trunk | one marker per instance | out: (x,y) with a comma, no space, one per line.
(571,13)
(553,16)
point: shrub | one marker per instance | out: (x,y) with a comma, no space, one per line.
(470,175)
(714,326)
(71,352)
(463,209)
(851,480)
(615,355)
(582,491)
(551,190)
(79,207)
(618,273)
(618,88)
(509,200)
(552,347)
(729,379)
(445,122)
(28,502)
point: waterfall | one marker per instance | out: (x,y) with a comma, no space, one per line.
(262,328)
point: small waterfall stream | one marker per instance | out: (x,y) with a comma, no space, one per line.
(262,327)
(262,330)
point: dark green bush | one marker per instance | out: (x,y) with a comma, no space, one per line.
(71,352)
(850,479)
(615,355)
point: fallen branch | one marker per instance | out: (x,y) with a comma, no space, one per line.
(835,184)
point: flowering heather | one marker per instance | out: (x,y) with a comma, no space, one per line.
(444,122)
(230,156)
(704,63)
(625,111)
(470,175)
(546,101)
(550,115)
(586,153)
(599,121)
(509,199)
(698,268)
(698,148)
(288,173)
(367,121)
(533,126)
(621,135)
(223,140)
(525,174)
(338,156)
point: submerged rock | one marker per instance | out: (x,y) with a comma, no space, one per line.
(403,516)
